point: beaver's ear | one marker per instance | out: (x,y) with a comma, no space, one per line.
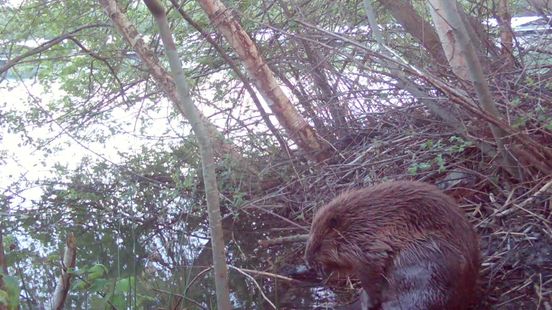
(333,222)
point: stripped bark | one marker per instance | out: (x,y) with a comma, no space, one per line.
(449,43)
(2,305)
(296,126)
(284,240)
(241,76)
(64,281)
(207,156)
(403,82)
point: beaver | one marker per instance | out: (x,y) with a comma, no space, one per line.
(408,243)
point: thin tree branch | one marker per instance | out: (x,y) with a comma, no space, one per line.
(45,46)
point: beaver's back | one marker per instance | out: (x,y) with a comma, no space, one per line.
(410,245)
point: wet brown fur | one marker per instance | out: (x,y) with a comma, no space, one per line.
(408,243)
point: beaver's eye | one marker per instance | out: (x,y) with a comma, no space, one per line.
(332,222)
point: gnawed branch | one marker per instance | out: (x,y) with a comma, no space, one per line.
(64,281)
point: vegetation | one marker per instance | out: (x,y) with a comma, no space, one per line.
(106,155)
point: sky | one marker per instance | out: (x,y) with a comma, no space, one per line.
(20,160)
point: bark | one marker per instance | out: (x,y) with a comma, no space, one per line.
(296,126)
(404,83)
(160,75)
(466,65)
(301,94)
(207,156)
(238,72)
(484,45)
(506,34)
(449,43)
(64,281)
(421,30)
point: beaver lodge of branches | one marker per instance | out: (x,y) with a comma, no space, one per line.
(513,219)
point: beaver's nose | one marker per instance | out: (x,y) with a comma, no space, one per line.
(310,253)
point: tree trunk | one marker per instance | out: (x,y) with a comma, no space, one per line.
(241,76)
(296,126)
(64,283)
(163,79)
(420,29)
(207,158)
(484,46)
(506,34)
(300,93)
(465,64)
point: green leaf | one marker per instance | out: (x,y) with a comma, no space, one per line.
(11,290)
(118,301)
(99,285)
(125,285)
(189,180)
(3,297)
(441,163)
(427,145)
(80,285)
(424,166)
(97,271)
(519,122)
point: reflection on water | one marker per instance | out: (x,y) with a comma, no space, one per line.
(243,250)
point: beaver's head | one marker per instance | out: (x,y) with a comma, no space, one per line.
(338,233)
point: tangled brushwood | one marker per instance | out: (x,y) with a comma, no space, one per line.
(513,219)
